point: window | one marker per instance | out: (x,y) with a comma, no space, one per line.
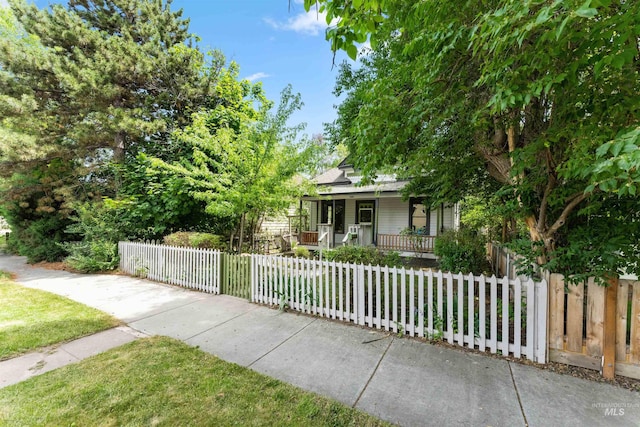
(364,212)
(419,216)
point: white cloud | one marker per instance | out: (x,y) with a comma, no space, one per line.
(256,76)
(310,23)
(4,3)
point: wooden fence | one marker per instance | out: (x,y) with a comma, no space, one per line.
(578,325)
(485,313)
(503,261)
(188,267)
(581,331)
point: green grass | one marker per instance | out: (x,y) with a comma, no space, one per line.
(31,318)
(161,381)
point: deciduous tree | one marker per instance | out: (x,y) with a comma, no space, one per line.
(539,97)
(245,159)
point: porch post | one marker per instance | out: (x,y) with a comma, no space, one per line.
(333,223)
(375,222)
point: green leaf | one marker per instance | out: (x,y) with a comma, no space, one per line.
(585,11)
(617,147)
(561,27)
(543,16)
(602,150)
(352,51)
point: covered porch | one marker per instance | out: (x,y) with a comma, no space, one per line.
(381,220)
(389,242)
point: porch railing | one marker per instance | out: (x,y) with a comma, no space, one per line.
(309,238)
(397,242)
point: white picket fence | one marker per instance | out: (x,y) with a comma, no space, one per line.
(492,314)
(188,267)
(484,313)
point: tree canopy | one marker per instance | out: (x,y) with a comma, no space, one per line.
(533,101)
(245,159)
(94,93)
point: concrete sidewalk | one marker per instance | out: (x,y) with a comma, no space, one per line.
(400,380)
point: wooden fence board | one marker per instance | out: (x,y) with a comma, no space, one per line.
(634,341)
(621,321)
(595,318)
(575,313)
(556,311)
(609,332)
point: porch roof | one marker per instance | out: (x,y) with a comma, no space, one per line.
(392,188)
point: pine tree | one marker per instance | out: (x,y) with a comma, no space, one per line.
(86,85)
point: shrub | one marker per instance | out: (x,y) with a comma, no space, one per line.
(40,240)
(196,240)
(92,257)
(363,255)
(301,252)
(98,249)
(461,251)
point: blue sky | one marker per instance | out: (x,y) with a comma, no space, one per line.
(274,42)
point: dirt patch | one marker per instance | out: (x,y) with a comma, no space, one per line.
(8,275)
(588,374)
(559,368)
(60,266)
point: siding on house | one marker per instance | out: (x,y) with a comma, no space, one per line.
(350,213)
(433,222)
(277,225)
(448,218)
(393,215)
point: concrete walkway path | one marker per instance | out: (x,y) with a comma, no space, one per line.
(404,381)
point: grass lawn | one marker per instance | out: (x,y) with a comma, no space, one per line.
(161,381)
(30,318)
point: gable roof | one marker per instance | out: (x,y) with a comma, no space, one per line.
(345,163)
(333,176)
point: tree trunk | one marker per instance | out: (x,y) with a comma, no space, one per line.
(118,157)
(504,230)
(241,237)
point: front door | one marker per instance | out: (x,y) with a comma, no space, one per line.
(332,212)
(366,218)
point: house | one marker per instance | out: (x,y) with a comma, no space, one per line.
(344,212)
